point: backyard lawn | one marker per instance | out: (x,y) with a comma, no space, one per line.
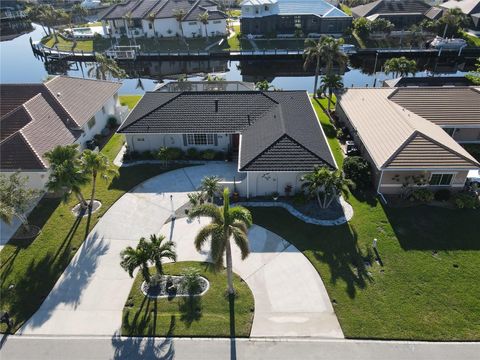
(97,44)
(207,315)
(427,288)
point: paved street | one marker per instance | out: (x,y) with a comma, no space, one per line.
(51,348)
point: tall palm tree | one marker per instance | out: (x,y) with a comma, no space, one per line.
(127,21)
(227,223)
(203,18)
(327,50)
(151,18)
(106,67)
(454,19)
(137,258)
(50,17)
(97,164)
(161,249)
(325,185)
(210,185)
(66,173)
(331,83)
(179,14)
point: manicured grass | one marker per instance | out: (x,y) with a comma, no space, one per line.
(31,268)
(471,40)
(129,100)
(207,315)
(428,286)
(113,146)
(346,9)
(91,45)
(329,129)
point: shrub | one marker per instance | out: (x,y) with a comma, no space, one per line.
(442,195)
(340,134)
(191,280)
(192,154)
(208,154)
(423,195)
(175,153)
(466,200)
(300,198)
(147,155)
(112,122)
(220,155)
(357,169)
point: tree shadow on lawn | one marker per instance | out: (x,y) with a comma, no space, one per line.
(336,246)
(191,309)
(433,228)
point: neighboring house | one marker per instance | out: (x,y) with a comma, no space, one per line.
(410,134)
(468,7)
(428,81)
(177,86)
(286,17)
(402,13)
(156,18)
(34,118)
(276,136)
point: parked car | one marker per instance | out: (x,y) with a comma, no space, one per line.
(351,149)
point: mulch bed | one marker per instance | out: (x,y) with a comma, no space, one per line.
(172,286)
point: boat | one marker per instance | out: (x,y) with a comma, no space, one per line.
(441,43)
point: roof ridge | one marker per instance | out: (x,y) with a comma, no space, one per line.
(23,135)
(18,108)
(400,148)
(61,105)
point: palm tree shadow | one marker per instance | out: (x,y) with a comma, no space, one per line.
(191,309)
(233,345)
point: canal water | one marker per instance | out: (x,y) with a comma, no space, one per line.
(19,65)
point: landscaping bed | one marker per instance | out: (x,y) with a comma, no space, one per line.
(208,315)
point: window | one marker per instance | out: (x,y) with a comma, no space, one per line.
(91,122)
(449,131)
(441,179)
(217,21)
(200,139)
(298,21)
(266,8)
(192,23)
(150,26)
(140,139)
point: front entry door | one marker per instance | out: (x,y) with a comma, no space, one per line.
(235,142)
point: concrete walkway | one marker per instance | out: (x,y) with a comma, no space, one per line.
(290,298)
(88,298)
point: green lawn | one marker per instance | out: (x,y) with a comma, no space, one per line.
(346,9)
(428,287)
(129,100)
(99,44)
(208,315)
(471,40)
(170,44)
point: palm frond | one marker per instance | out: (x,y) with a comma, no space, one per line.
(203,235)
(208,210)
(241,240)
(241,214)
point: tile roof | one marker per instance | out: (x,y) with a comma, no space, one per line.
(81,98)
(37,119)
(467,6)
(140,9)
(456,105)
(386,129)
(391,7)
(280,130)
(291,7)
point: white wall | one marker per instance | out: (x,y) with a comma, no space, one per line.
(36,179)
(154,142)
(163,25)
(196,28)
(265,183)
(110,108)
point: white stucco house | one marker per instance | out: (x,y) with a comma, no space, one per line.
(276,136)
(153,18)
(37,117)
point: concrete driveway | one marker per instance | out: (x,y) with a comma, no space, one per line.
(88,298)
(290,298)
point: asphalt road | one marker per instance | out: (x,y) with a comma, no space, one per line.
(87,348)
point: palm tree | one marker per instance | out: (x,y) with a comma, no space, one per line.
(179,14)
(210,185)
(137,258)
(161,249)
(151,18)
(325,185)
(95,164)
(454,19)
(106,67)
(127,21)
(226,223)
(49,16)
(331,83)
(400,66)
(66,173)
(326,49)
(263,85)
(78,11)
(203,18)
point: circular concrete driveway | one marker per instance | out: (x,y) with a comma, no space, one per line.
(290,298)
(88,299)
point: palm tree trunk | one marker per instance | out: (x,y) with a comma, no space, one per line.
(228,251)
(319,200)
(81,199)
(206,32)
(317,72)
(329,99)
(94,185)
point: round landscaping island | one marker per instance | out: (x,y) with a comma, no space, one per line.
(206,312)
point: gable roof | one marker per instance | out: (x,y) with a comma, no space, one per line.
(140,9)
(444,106)
(387,130)
(35,118)
(279,130)
(466,6)
(390,7)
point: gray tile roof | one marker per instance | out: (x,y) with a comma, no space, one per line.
(140,9)
(391,7)
(280,130)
